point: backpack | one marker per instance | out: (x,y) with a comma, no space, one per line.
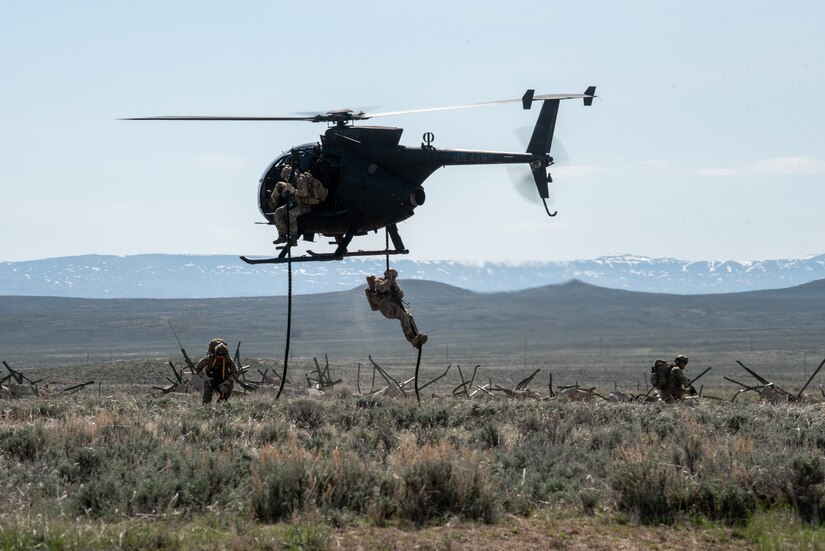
(374,299)
(660,376)
(317,192)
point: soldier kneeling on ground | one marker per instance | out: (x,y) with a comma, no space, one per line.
(670,381)
(384,294)
(221,372)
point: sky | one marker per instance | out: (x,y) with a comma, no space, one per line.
(705,143)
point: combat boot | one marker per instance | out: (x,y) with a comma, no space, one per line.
(419,340)
(281,239)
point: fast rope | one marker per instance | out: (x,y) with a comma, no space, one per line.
(387,246)
(417,364)
(289,296)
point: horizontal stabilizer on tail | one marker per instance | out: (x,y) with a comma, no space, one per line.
(530,96)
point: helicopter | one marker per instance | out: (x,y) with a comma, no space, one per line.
(373,182)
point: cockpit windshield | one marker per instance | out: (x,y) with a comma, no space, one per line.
(307,154)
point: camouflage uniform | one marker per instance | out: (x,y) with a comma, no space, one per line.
(276,197)
(221,372)
(677,384)
(384,294)
(307,192)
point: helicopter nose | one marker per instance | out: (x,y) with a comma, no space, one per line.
(417,197)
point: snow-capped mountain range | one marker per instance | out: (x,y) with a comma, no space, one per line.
(185,276)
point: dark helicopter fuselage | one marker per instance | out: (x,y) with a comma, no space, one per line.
(372,181)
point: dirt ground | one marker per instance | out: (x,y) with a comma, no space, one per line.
(543,531)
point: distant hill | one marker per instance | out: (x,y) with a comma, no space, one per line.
(573,323)
(186,276)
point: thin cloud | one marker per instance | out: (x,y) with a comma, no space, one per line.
(778,165)
(720,172)
(790,165)
(575,171)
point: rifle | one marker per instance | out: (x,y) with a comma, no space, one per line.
(690,385)
(186,357)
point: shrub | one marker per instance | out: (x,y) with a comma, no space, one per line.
(280,483)
(343,481)
(306,414)
(375,443)
(98,497)
(82,464)
(206,478)
(489,436)
(23,444)
(721,500)
(643,491)
(171,479)
(271,432)
(806,491)
(528,425)
(433,416)
(436,484)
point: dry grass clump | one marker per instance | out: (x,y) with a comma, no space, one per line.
(293,479)
(440,480)
(417,485)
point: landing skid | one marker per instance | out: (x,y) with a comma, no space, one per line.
(322,257)
(340,252)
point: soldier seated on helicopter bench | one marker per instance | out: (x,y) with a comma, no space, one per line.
(384,294)
(306,192)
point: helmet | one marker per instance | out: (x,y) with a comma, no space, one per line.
(659,363)
(391,273)
(285,173)
(681,358)
(221,350)
(213,343)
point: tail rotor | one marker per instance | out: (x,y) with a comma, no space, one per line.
(524,178)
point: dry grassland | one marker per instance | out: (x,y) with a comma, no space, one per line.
(113,467)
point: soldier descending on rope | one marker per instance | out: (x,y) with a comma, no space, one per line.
(221,372)
(384,294)
(670,380)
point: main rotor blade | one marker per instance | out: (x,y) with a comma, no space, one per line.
(345,115)
(471,105)
(209,118)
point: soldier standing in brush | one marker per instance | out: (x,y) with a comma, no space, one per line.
(384,294)
(221,372)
